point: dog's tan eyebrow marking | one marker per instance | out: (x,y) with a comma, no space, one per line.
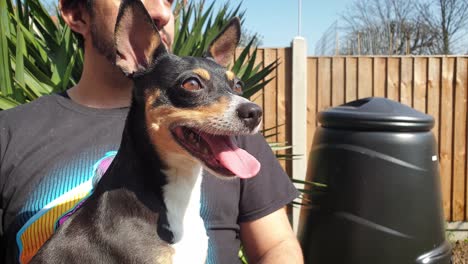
(230,75)
(151,97)
(203,73)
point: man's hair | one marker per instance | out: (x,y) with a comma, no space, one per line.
(71,4)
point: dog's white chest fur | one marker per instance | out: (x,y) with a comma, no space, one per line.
(182,196)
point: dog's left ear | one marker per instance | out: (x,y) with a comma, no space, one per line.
(137,40)
(222,48)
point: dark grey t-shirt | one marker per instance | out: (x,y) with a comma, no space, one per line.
(51,149)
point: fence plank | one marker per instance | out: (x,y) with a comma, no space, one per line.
(283,80)
(465,86)
(420,84)
(338,81)
(459,154)
(406,81)
(433,94)
(311,102)
(351,79)
(258,96)
(433,109)
(380,69)
(364,77)
(324,83)
(446,138)
(393,79)
(270,94)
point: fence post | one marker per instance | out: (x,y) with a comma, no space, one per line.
(299,115)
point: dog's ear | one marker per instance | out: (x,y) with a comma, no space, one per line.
(137,40)
(222,48)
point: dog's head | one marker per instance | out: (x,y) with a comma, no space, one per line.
(192,106)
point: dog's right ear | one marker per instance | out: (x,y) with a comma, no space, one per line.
(137,40)
(222,48)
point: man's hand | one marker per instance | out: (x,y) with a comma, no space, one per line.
(271,240)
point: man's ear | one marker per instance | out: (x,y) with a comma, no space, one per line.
(222,48)
(137,41)
(77,18)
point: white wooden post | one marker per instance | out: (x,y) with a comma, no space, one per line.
(299,115)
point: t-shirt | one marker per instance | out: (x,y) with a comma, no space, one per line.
(52,149)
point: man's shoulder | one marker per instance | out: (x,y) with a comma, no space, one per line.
(29,110)
(29,116)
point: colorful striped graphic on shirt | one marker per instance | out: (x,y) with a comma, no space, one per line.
(41,225)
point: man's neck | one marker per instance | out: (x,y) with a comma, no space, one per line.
(102,85)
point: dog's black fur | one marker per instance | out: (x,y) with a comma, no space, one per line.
(124,220)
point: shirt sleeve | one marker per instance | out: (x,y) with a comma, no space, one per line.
(3,132)
(271,189)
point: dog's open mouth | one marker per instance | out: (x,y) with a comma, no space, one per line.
(217,152)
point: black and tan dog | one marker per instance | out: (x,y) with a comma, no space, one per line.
(184,114)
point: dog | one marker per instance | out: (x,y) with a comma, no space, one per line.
(183,116)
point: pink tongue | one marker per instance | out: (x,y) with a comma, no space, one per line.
(233,158)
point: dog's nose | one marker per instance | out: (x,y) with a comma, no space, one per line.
(250,114)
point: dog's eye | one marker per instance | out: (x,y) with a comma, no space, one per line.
(238,87)
(191,84)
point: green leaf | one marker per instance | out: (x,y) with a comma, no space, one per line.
(67,74)
(248,70)
(254,89)
(42,16)
(19,70)
(256,78)
(36,72)
(281,148)
(6,84)
(179,37)
(7,103)
(287,156)
(242,57)
(316,184)
(36,43)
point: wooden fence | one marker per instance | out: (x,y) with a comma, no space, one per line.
(435,85)
(276,97)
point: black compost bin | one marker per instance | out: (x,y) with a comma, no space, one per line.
(382,203)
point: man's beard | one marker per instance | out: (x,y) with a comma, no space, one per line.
(105,46)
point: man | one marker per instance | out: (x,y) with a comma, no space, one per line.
(52,148)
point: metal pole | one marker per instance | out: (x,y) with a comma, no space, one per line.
(299,17)
(337,40)
(359,42)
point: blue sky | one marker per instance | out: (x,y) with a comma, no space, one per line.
(277,21)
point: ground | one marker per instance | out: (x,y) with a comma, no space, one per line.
(460,252)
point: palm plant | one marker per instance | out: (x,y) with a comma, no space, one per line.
(38,54)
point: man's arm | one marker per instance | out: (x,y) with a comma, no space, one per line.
(270,240)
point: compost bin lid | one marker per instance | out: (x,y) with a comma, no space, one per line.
(375,113)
